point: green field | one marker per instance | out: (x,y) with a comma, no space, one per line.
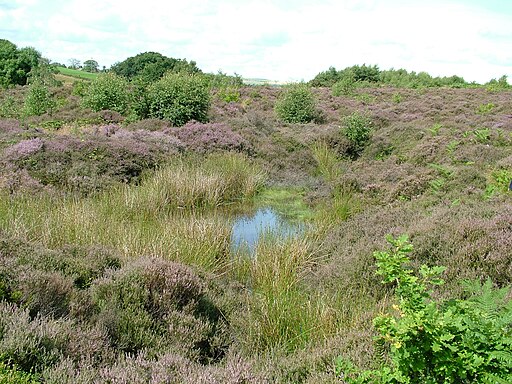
(77,73)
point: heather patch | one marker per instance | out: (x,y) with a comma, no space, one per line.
(209,137)
(138,263)
(90,163)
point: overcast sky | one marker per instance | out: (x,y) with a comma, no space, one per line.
(277,40)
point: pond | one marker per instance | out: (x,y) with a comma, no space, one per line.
(248,229)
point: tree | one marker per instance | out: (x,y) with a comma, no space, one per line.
(91,66)
(151,66)
(74,63)
(15,64)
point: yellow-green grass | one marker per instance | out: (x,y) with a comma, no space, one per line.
(148,219)
(281,313)
(177,214)
(328,163)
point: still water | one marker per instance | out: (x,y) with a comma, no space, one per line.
(248,229)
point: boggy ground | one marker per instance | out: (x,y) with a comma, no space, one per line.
(115,262)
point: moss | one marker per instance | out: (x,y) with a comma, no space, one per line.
(288,202)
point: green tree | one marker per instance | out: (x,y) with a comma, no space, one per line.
(90,66)
(357,128)
(326,79)
(16,64)
(151,66)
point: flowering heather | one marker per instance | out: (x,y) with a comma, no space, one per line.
(9,126)
(152,141)
(148,125)
(106,130)
(23,149)
(91,162)
(209,137)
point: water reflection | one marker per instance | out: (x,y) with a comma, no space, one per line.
(247,230)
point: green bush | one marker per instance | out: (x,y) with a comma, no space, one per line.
(296,104)
(452,341)
(38,100)
(107,91)
(357,129)
(344,87)
(179,98)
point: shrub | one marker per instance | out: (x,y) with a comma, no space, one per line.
(38,100)
(344,87)
(157,305)
(39,343)
(209,137)
(453,341)
(357,128)
(296,104)
(92,162)
(179,98)
(46,293)
(9,107)
(107,91)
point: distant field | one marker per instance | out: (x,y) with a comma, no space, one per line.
(255,81)
(77,73)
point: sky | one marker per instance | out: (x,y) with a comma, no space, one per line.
(287,40)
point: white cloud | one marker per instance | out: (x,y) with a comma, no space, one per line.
(274,39)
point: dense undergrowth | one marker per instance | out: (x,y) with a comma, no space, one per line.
(115,256)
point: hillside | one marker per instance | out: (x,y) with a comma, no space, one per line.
(115,233)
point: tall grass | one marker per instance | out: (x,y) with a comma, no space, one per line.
(282,313)
(188,184)
(328,163)
(161,217)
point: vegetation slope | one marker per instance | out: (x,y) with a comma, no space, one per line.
(115,256)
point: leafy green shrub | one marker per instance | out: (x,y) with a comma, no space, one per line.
(452,341)
(38,100)
(357,129)
(344,87)
(482,135)
(179,98)
(296,104)
(498,85)
(80,88)
(434,130)
(107,91)
(499,182)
